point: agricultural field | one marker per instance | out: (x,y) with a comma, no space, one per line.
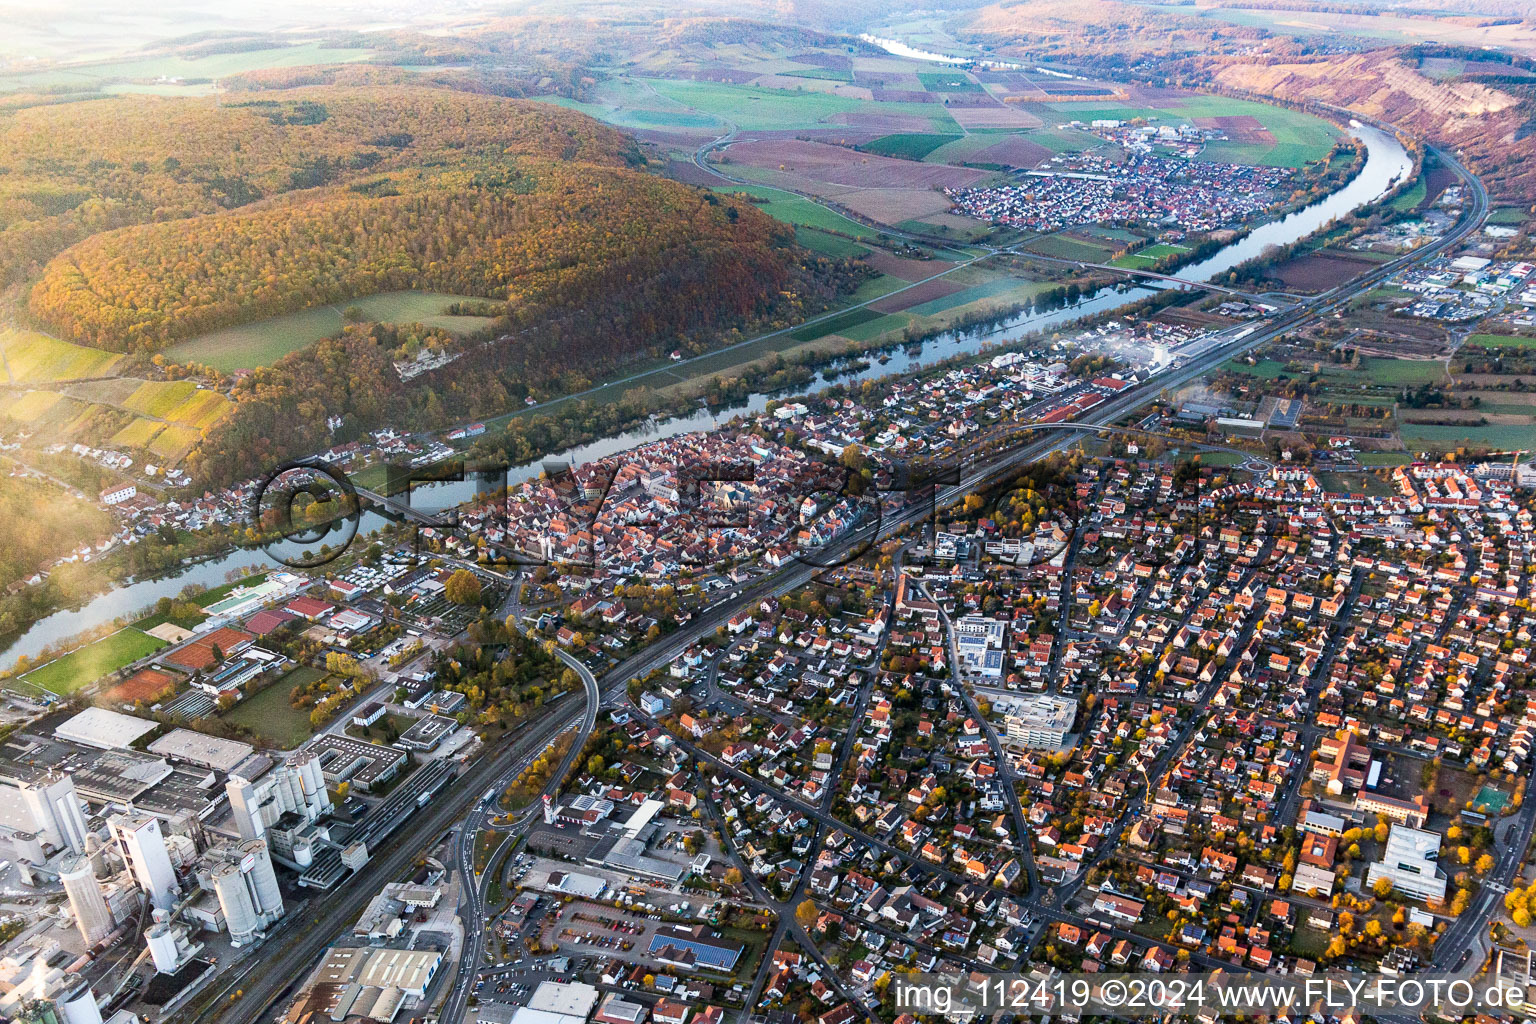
(1259,134)
(947,81)
(137,434)
(750,108)
(248,346)
(218,65)
(908,146)
(793,209)
(836,324)
(32,358)
(1065,247)
(83,667)
(1143,258)
(1501,341)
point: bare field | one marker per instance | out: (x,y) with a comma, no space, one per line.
(1014,151)
(916,295)
(1239,128)
(1008,116)
(839,166)
(876,121)
(1317,271)
(907,270)
(894,205)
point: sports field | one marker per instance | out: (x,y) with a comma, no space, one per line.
(82,667)
(248,346)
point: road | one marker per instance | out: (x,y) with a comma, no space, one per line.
(299,947)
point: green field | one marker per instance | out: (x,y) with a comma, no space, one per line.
(248,346)
(1509,216)
(908,146)
(1065,248)
(820,74)
(791,209)
(1299,138)
(1494,435)
(1151,254)
(1411,199)
(828,244)
(975,293)
(754,109)
(836,324)
(1398,371)
(268,713)
(83,667)
(872,329)
(218,65)
(947,81)
(30,357)
(1383,458)
(1501,341)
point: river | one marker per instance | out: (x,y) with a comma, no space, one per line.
(1386,163)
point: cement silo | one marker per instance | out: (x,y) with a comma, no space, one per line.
(312,781)
(80,1008)
(85,899)
(240,916)
(162,948)
(256,864)
(29,847)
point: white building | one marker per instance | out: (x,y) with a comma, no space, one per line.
(1040,721)
(49,808)
(1410,862)
(118,493)
(143,847)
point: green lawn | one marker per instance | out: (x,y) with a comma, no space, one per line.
(1151,254)
(1494,435)
(248,346)
(908,146)
(1410,199)
(269,714)
(1399,371)
(1383,458)
(82,667)
(975,293)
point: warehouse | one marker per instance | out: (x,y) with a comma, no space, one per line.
(104,730)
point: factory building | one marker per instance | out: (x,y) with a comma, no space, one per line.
(143,849)
(261,792)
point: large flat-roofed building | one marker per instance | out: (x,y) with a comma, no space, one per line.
(427,732)
(216,752)
(690,949)
(1409,861)
(409,971)
(103,729)
(363,764)
(1040,721)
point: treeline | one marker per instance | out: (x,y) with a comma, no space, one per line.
(70,170)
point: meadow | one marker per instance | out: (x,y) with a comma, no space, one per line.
(269,713)
(264,342)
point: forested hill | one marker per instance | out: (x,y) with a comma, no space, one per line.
(69,170)
(139,223)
